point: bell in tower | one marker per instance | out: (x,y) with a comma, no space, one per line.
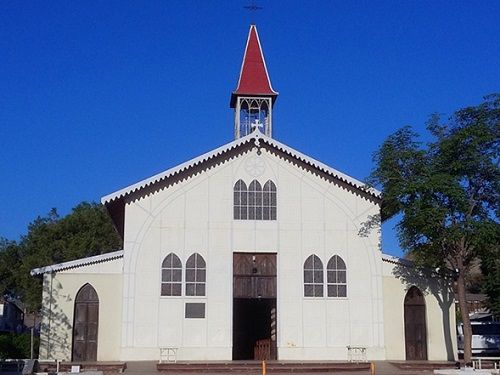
(254,96)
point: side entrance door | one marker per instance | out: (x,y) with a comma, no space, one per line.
(86,324)
(415,326)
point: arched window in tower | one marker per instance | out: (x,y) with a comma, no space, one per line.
(240,200)
(196,275)
(171,276)
(253,112)
(313,277)
(336,277)
(269,201)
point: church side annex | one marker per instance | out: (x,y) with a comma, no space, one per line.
(250,251)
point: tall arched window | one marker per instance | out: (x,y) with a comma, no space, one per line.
(269,201)
(336,277)
(196,275)
(171,276)
(255,203)
(240,200)
(313,277)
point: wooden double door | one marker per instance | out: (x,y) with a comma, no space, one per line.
(254,306)
(86,324)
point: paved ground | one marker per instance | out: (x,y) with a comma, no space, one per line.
(149,368)
(381,368)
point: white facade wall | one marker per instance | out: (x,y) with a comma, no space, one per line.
(315,216)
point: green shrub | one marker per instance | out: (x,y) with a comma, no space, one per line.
(17,346)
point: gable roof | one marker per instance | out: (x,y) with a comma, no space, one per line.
(254,77)
(257,137)
(78,263)
(115,204)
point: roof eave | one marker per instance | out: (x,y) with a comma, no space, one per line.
(77,263)
(236,93)
(229,146)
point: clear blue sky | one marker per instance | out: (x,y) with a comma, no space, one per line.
(95,96)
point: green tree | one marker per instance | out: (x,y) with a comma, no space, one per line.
(86,231)
(490,267)
(446,191)
(9,262)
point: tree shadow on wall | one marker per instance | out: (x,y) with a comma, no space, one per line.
(56,326)
(428,281)
(439,286)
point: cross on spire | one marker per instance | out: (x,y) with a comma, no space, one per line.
(253,7)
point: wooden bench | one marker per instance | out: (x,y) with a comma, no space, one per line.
(168,354)
(477,362)
(356,354)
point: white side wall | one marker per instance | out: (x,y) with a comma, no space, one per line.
(58,301)
(440,313)
(315,216)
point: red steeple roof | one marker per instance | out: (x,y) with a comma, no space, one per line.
(254,79)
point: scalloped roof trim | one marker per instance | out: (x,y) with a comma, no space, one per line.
(396,260)
(257,136)
(78,263)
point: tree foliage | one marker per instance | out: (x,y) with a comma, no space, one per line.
(490,266)
(51,239)
(446,190)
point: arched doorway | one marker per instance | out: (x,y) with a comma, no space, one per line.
(85,324)
(415,326)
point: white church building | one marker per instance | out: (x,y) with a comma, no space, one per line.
(250,251)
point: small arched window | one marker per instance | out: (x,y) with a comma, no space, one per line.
(336,277)
(240,200)
(269,201)
(313,277)
(196,275)
(171,276)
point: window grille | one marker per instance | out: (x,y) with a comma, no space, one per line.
(240,200)
(269,201)
(313,277)
(255,202)
(195,275)
(336,276)
(171,276)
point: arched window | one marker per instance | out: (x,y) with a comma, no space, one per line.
(255,203)
(196,275)
(171,276)
(313,277)
(269,201)
(336,277)
(240,200)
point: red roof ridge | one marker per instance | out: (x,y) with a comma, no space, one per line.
(254,77)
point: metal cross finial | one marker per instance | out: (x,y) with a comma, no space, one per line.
(253,7)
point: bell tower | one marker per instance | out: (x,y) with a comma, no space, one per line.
(254,96)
